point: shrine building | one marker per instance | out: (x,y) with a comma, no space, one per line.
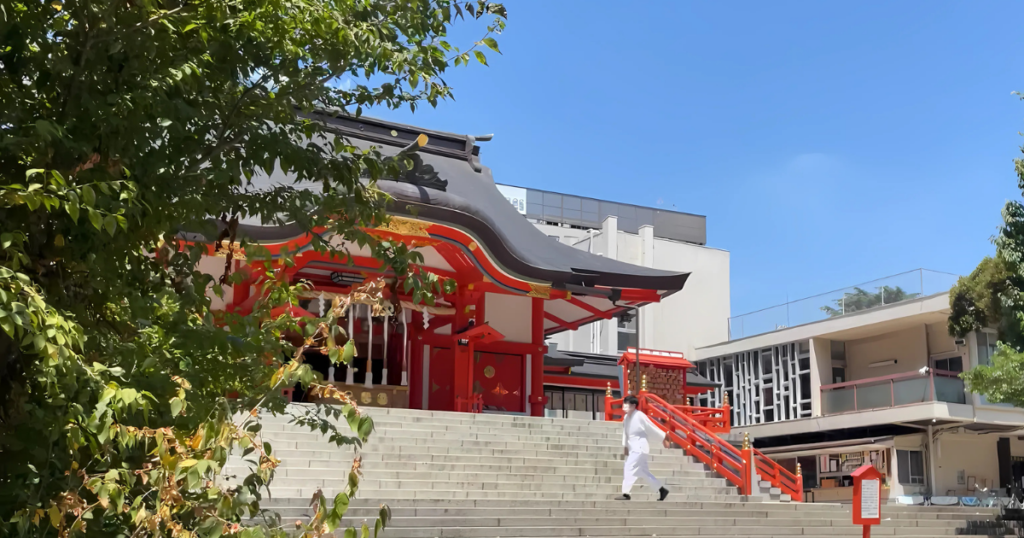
(482,348)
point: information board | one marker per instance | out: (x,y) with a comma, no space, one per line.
(870,499)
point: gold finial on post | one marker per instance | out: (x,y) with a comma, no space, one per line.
(799,471)
(746,441)
(608,391)
(689,402)
(725,398)
(643,383)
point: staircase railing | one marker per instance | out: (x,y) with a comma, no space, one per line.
(699,442)
(714,419)
(693,434)
(789,483)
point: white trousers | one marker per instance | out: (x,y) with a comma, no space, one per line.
(636,467)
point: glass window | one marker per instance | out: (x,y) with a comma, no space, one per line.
(911,466)
(951,364)
(838,375)
(628,324)
(986,347)
(626,340)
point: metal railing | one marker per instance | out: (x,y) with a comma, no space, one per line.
(866,296)
(925,385)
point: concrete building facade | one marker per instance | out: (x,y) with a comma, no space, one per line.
(661,239)
(876,386)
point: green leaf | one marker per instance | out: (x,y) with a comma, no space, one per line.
(33,171)
(348,352)
(164,122)
(95,219)
(6,239)
(176,406)
(350,533)
(480,57)
(89,196)
(365,427)
(110,223)
(491,44)
(365,531)
(71,206)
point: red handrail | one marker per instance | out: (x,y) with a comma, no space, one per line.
(714,419)
(694,436)
(472,404)
(699,442)
(778,476)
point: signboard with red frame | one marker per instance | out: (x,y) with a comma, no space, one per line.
(867,497)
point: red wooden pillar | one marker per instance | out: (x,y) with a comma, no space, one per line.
(416,372)
(537,398)
(463,354)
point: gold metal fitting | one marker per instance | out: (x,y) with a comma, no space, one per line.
(799,471)
(608,391)
(746,441)
(689,403)
(643,383)
(725,400)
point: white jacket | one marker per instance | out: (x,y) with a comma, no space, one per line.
(637,429)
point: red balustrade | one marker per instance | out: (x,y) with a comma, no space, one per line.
(472,404)
(694,429)
(770,471)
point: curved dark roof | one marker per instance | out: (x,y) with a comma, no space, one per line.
(456,190)
(472,202)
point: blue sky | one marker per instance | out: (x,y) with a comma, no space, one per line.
(828,143)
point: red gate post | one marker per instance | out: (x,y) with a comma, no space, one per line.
(867,498)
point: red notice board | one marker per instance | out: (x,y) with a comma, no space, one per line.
(867,497)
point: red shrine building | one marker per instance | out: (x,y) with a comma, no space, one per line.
(482,348)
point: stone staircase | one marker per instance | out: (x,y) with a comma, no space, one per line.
(493,476)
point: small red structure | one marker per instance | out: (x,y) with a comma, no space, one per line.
(667,374)
(867,498)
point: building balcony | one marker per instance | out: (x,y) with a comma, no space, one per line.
(922,386)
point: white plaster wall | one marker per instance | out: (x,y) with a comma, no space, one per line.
(939,340)
(974,454)
(821,371)
(909,347)
(510,315)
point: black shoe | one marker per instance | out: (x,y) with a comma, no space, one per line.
(623,497)
(664,493)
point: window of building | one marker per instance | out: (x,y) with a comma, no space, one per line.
(986,347)
(911,467)
(950,364)
(627,331)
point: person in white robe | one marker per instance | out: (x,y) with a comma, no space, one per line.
(637,431)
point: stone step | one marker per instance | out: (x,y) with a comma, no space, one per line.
(426,429)
(574,455)
(696,528)
(394,495)
(888,511)
(694,520)
(513,474)
(326,458)
(427,444)
(611,487)
(478,482)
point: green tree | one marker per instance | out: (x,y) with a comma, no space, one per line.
(861,299)
(123,124)
(993,296)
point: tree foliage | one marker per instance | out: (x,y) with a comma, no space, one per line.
(992,296)
(861,299)
(123,124)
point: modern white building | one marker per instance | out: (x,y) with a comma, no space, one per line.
(651,237)
(876,385)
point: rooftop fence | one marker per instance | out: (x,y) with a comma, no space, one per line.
(866,296)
